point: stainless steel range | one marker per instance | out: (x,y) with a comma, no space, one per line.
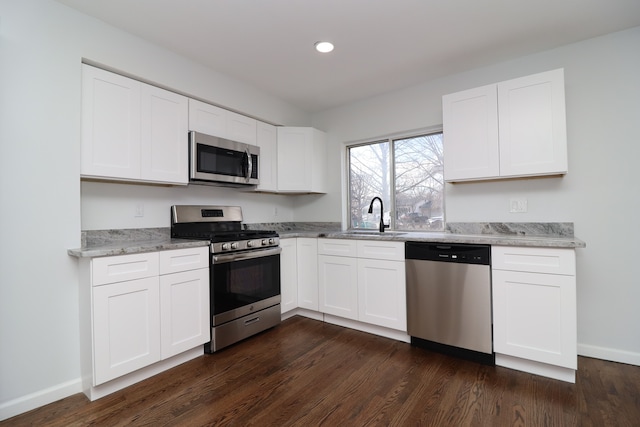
(244,271)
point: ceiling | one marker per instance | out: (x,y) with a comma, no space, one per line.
(381,45)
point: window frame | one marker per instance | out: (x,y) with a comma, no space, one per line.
(390,139)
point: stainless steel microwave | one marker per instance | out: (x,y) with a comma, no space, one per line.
(219,160)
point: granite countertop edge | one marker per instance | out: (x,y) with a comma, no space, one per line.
(135,247)
(441,237)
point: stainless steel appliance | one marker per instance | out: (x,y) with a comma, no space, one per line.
(244,271)
(449,299)
(222,161)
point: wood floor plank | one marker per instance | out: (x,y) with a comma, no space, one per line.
(308,373)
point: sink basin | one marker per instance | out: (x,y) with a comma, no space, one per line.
(372,233)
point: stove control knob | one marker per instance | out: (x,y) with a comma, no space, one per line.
(225,246)
(271,241)
(234,245)
(249,243)
(265,242)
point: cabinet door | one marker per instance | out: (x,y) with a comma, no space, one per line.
(533,138)
(164,155)
(241,128)
(126,327)
(268,168)
(288,275)
(382,293)
(534,317)
(470,127)
(302,160)
(207,118)
(338,286)
(308,273)
(184,308)
(110,125)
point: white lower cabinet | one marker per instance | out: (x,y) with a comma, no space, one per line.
(126,327)
(338,286)
(363,280)
(382,298)
(184,308)
(534,310)
(299,274)
(288,275)
(142,309)
(307,251)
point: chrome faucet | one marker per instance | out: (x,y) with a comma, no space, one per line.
(382,226)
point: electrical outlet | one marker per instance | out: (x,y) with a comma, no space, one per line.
(139,210)
(518,205)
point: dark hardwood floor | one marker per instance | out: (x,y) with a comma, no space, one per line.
(308,373)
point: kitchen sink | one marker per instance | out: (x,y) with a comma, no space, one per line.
(372,233)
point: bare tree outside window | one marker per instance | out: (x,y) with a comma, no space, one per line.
(413,167)
(369,177)
(419,182)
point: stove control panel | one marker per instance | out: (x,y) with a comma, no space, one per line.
(244,245)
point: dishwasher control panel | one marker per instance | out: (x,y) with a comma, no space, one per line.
(461,253)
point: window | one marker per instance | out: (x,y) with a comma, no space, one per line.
(407,174)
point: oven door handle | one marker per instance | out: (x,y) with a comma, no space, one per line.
(220,259)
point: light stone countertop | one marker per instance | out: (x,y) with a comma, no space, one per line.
(546,235)
(441,237)
(134,247)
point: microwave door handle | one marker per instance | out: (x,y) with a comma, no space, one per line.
(249,164)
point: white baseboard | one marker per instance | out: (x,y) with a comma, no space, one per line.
(536,368)
(366,327)
(40,398)
(304,313)
(610,354)
(134,377)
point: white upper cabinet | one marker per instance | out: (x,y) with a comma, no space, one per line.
(216,121)
(470,121)
(268,166)
(131,130)
(164,136)
(241,128)
(514,128)
(110,125)
(533,135)
(207,118)
(302,160)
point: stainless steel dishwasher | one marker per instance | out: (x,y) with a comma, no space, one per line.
(449,299)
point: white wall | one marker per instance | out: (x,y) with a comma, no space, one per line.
(599,194)
(41,46)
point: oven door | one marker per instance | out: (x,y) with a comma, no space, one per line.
(243,283)
(214,159)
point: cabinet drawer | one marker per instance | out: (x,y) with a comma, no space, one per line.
(534,260)
(380,249)
(339,247)
(178,260)
(124,267)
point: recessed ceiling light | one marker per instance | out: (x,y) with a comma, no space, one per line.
(324,47)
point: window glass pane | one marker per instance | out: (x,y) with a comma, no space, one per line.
(369,171)
(419,183)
